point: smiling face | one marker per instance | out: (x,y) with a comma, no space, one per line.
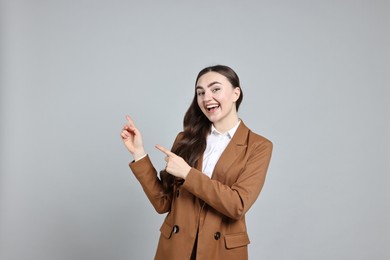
(217,99)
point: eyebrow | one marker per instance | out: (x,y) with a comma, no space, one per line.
(209,85)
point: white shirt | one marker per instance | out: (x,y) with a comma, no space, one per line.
(216,144)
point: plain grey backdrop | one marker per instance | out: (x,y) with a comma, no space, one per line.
(316,80)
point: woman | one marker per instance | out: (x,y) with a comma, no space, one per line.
(214,173)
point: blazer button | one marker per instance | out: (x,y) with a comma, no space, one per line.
(217,235)
(175,229)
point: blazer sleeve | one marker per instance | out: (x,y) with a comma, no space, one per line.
(146,174)
(235,200)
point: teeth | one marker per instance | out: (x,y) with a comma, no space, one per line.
(212,107)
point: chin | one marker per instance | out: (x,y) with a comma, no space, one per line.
(213,119)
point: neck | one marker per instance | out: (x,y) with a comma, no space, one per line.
(227,124)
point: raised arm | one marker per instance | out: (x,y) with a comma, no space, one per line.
(143,169)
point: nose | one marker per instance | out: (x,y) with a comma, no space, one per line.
(208,95)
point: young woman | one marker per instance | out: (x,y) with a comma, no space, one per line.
(214,173)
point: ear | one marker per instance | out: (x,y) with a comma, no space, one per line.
(236,93)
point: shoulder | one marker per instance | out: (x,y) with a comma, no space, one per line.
(258,138)
(252,138)
(259,143)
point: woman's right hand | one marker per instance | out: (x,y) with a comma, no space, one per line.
(132,139)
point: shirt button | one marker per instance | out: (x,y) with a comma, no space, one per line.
(175,229)
(217,235)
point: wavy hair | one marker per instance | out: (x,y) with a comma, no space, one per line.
(196,126)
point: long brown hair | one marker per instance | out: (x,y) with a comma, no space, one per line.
(196,126)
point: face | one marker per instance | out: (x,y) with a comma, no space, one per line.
(216,98)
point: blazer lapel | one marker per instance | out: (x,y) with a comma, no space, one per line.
(236,145)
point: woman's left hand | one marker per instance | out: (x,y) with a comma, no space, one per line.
(175,164)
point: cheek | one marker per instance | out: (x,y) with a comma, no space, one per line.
(220,97)
(229,97)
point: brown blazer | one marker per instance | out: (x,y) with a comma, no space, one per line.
(214,208)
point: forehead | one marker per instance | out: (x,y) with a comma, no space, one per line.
(206,79)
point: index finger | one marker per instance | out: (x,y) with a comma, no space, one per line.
(164,150)
(130,121)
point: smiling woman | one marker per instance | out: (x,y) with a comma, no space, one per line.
(214,173)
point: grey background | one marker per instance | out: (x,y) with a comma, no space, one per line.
(315,76)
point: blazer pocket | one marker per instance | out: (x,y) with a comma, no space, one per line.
(166,230)
(236,240)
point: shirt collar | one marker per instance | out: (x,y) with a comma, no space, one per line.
(229,133)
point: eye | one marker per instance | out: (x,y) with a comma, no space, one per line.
(200,93)
(215,90)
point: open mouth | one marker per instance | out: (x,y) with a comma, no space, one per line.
(212,108)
